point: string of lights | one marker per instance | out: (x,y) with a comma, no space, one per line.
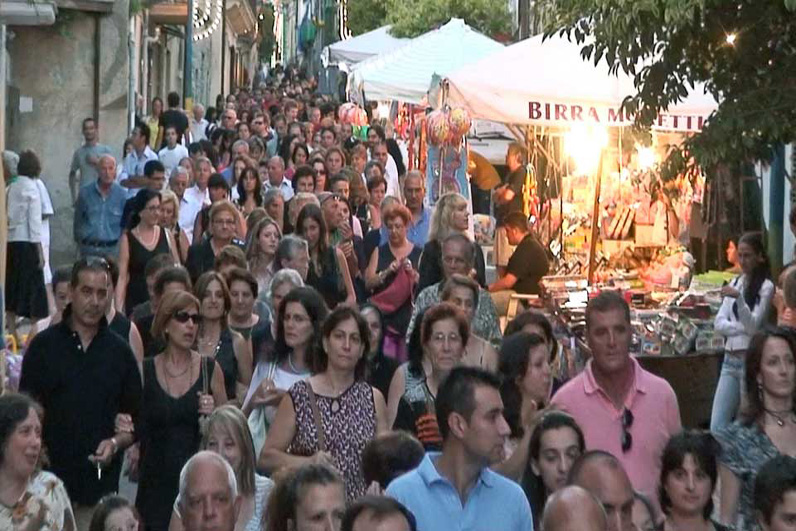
(206,18)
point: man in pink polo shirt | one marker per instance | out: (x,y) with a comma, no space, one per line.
(622,409)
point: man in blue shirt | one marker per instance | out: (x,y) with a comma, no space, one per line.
(98,213)
(455,490)
(414,196)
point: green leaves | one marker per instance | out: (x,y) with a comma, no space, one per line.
(684,42)
(411,18)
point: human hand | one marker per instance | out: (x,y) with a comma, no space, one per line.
(348,248)
(323,458)
(104,453)
(267,394)
(124,423)
(206,403)
(346,231)
(729,291)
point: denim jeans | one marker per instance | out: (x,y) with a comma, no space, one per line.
(729,390)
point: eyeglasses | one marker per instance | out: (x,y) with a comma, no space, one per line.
(224,221)
(627,423)
(184,317)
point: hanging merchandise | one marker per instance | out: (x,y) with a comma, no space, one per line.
(351,113)
(459,123)
(437,128)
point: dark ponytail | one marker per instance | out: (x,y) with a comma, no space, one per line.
(760,273)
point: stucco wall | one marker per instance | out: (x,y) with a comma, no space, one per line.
(54,66)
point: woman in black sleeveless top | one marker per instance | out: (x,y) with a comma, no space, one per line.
(143,239)
(180,387)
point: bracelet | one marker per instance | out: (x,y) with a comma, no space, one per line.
(115,444)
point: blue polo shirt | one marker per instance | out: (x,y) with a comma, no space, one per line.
(417,233)
(494,502)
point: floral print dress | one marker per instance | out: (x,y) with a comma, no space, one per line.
(45,495)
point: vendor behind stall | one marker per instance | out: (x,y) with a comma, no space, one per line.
(525,268)
(508,199)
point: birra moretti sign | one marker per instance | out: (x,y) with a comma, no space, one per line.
(551,113)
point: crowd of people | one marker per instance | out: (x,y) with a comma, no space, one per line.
(269,328)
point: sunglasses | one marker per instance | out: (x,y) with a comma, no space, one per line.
(184,317)
(627,423)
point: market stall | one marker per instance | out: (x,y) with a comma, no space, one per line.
(600,204)
(352,51)
(406,73)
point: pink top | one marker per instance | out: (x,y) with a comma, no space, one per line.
(656,417)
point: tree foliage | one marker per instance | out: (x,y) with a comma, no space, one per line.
(411,18)
(366,15)
(743,50)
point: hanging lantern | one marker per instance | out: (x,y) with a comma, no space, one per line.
(437,128)
(343,110)
(359,116)
(459,122)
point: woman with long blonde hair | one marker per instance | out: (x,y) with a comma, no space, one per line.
(451,215)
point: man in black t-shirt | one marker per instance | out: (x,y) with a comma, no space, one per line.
(508,199)
(525,268)
(174,116)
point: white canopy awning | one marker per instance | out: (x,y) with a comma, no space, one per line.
(405,74)
(357,49)
(548,83)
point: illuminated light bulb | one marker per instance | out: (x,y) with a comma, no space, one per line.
(584,144)
(731,37)
(646,157)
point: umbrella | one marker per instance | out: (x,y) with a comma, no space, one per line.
(481,171)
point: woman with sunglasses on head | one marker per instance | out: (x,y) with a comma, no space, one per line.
(331,417)
(765,429)
(688,477)
(180,386)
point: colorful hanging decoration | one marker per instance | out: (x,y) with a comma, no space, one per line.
(447,127)
(351,113)
(437,128)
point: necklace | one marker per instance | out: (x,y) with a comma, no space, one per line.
(335,406)
(152,239)
(171,375)
(292,366)
(778,416)
(190,367)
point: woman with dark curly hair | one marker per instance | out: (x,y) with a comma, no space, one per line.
(30,498)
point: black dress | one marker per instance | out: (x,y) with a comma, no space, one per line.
(326,279)
(225,357)
(169,437)
(139,256)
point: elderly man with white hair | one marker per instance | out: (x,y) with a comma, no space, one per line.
(198,124)
(10,162)
(98,212)
(208,497)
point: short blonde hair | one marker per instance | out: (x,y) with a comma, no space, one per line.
(167,196)
(172,302)
(224,205)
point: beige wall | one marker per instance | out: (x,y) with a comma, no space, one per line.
(55,68)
